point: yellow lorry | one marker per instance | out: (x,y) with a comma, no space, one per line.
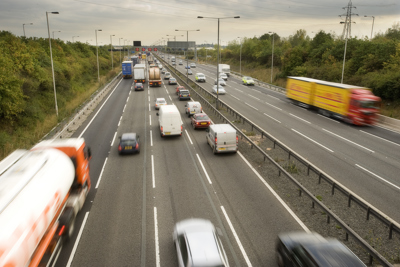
(353,104)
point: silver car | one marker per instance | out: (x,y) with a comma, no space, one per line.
(198,245)
(167,76)
(221,90)
(220,81)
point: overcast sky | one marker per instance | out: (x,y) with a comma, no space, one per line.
(151,20)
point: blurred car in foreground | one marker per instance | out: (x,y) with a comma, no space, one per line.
(311,249)
(221,90)
(128,143)
(139,87)
(198,245)
(200,120)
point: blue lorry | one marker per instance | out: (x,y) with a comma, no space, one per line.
(135,60)
(127,68)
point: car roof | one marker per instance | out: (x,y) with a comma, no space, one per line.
(128,136)
(204,249)
(199,73)
(160,99)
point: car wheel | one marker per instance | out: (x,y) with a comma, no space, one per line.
(194,126)
(279,259)
(214,150)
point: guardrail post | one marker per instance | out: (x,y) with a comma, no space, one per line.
(347,236)
(312,204)
(319,178)
(308,169)
(368,212)
(371,259)
(289,154)
(349,202)
(333,188)
(300,193)
(391,231)
(328,220)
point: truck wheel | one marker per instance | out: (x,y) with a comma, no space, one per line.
(67,219)
(279,259)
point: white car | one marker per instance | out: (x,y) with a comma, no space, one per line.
(197,244)
(220,81)
(160,102)
(221,90)
(223,76)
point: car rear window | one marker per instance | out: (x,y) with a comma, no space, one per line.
(202,117)
(128,143)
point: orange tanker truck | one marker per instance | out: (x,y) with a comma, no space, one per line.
(353,104)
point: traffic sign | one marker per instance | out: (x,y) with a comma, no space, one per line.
(155,49)
(137,48)
(143,49)
(149,49)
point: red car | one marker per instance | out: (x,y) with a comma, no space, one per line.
(200,120)
(179,88)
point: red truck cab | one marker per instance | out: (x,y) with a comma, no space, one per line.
(363,107)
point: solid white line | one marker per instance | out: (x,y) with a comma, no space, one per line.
(246,258)
(112,143)
(87,126)
(272,105)
(189,137)
(251,106)
(151,138)
(377,176)
(380,138)
(150,119)
(124,109)
(235,97)
(299,118)
(152,172)
(204,169)
(101,173)
(312,140)
(325,117)
(276,195)
(71,257)
(348,140)
(272,118)
(156,238)
(393,131)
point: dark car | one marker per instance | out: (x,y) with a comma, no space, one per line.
(183,94)
(200,120)
(129,143)
(139,87)
(311,249)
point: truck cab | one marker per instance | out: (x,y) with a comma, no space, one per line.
(363,107)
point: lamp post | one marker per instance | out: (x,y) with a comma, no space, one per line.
(119,42)
(73,38)
(54,32)
(373,20)
(125,40)
(272,60)
(112,62)
(97,54)
(175,44)
(187,54)
(345,48)
(200,17)
(51,59)
(240,60)
(23,27)
(206,50)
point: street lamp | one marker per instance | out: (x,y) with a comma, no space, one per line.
(54,32)
(272,63)
(112,62)
(240,61)
(73,38)
(126,40)
(373,20)
(51,58)
(23,27)
(97,54)
(206,50)
(200,17)
(119,42)
(187,53)
(175,44)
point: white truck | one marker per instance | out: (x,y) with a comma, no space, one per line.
(139,73)
(224,68)
(41,192)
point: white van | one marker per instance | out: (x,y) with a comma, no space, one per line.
(169,120)
(222,138)
(193,107)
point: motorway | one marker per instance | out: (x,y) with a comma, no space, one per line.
(135,200)
(364,159)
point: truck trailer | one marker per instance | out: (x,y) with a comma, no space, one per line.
(42,191)
(139,73)
(154,76)
(224,68)
(127,67)
(353,104)
(135,60)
